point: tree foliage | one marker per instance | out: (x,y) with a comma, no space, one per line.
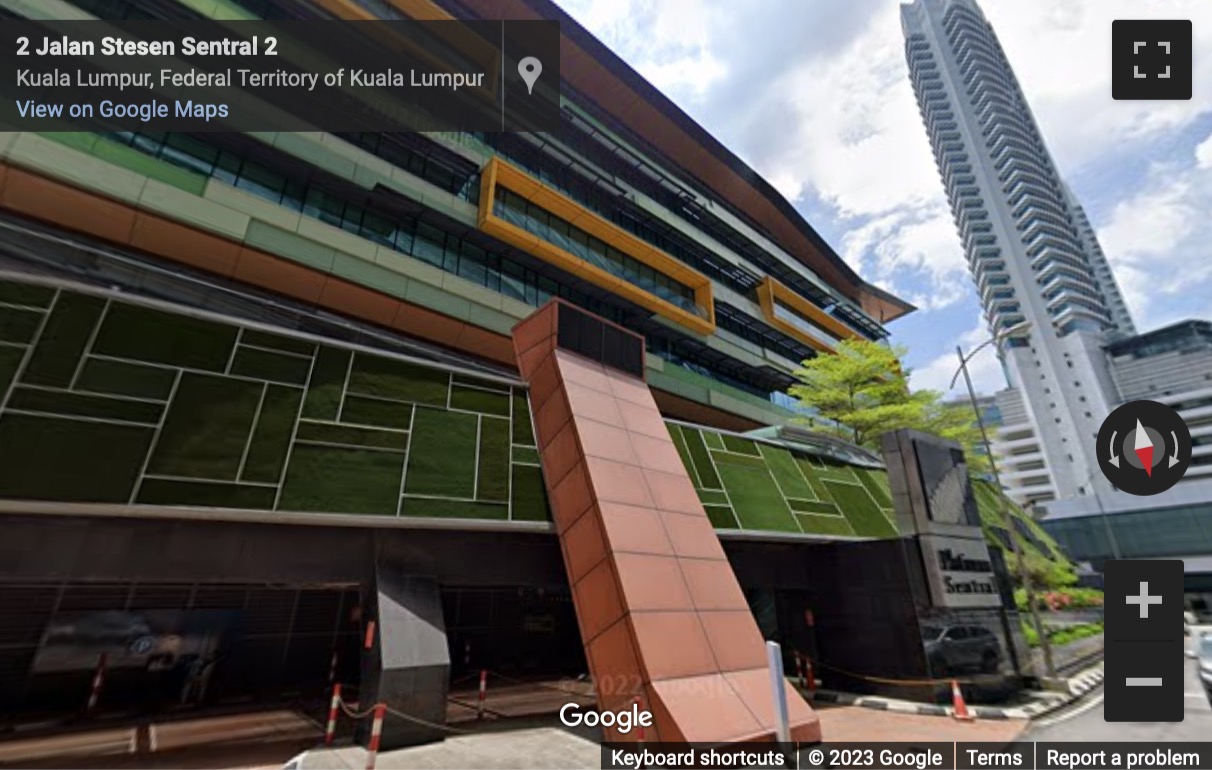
(862,391)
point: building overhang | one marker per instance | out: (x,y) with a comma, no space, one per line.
(618,91)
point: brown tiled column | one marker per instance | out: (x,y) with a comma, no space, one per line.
(661,614)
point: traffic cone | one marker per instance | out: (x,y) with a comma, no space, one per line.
(959,708)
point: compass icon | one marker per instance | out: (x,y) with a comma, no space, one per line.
(1144,447)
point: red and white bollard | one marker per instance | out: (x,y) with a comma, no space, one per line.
(376,731)
(330,729)
(809,674)
(94,693)
(639,730)
(369,641)
(332,668)
(483,693)
(799,668)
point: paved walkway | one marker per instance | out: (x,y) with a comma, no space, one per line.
(266,740)
(547,746)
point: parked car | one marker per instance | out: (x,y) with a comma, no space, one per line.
(958,648)
(1189,620)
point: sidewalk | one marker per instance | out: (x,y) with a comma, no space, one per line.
(548,746)
(1041,702)
(520,731)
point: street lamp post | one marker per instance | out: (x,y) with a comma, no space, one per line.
(1007,517)
(1102,512)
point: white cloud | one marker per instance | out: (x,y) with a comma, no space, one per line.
(984,367)
(1158,239)
(1203,154)
(1061,54)
(830,119)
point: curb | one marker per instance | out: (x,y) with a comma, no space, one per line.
(1079,686)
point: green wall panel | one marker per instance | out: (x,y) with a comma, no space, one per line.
(205,494)
(861,509)
(824,525)
(10,359)
(442,459)
(835,472)
(523,429)
(334,480)
(248,418)
(740,445)
(814,506)
(390,379)
(119,378)
(18,324)
(327,383)
(206,428)
(271,437)
(326,433)
(261,339)
(707,476)
(755,497)
(156,336)
(31,295)
(83,405)
(492,473)
(454,509)
(877,484)
(526,454)
(721,516)
(528,497)
(817,484)
(362,410)
(788,475)
(483,401)
(679,443)
(63,340)
(275,367)
(48,458)
(711,497)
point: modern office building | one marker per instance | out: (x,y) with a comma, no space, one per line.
(393,409)
(1172,365)
(1033,255)
(1020,455)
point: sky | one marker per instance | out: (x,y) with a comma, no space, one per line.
(815,95)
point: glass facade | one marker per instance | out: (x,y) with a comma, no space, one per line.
(516,210)
(784,313)
(1150,534)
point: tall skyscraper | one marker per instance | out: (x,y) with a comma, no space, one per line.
(1033,255)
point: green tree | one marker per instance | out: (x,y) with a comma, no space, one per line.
(861,391)
(956,421)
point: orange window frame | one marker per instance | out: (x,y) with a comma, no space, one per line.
(770,292)
(500,173)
